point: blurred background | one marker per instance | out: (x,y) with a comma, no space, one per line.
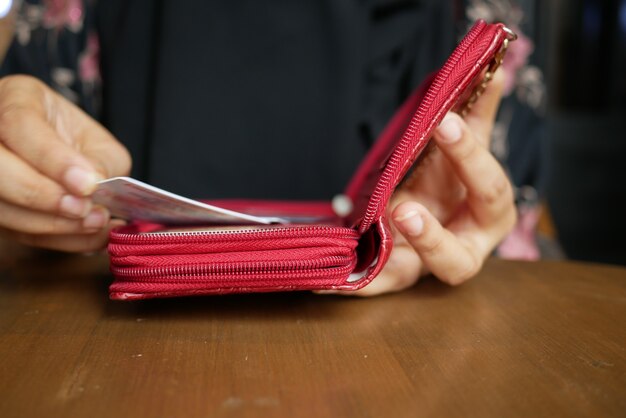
(565,141)
(586,126)
(560,131)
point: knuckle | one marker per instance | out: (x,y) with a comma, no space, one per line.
(20,96)
(465,272)
(109,157)
(499,190)
(31,195)
(507,190)
(431,244)
(470,270)
(490,196)
(508,214)
(20,82)
(60,225)
(467,151)
(14,115)
(510,219)
(10,114)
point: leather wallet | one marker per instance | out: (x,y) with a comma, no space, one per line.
(320,249)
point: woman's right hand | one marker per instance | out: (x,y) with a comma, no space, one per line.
(51,156)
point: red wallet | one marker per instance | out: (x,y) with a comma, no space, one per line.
(319,250)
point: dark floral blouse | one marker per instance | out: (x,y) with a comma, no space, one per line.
(57,41)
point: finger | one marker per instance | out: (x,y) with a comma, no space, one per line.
(401,272)
(73,242)
(64,122)
(489,191)
(26,132)
(483,113)
(99,146)
(107,155)
(33,222)
(448,257)
(23,186)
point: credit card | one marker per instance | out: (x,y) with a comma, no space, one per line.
(134,200)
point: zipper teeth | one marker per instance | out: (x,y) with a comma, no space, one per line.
(208,283)
(218,271)
(394,161)
(157,238)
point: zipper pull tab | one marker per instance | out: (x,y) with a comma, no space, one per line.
(342,205)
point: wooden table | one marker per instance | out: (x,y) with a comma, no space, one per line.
(545,339)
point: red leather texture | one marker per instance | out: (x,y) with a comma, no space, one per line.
(148,261)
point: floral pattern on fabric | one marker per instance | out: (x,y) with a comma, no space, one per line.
(523,79)
(519,122)
(49,36)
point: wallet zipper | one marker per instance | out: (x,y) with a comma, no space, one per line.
(333,266)
(266,233)
(385,182)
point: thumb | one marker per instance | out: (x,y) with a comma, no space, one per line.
(106,154)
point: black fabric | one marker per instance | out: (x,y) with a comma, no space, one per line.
(585,190)
(261,99)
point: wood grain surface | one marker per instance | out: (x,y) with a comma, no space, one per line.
(544,339)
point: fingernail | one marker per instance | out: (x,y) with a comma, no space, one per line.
(411,222)
(96,219)
(450,130)
(80,180)
(75,207)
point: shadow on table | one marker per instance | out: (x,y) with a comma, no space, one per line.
(275,306)
(82,282)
